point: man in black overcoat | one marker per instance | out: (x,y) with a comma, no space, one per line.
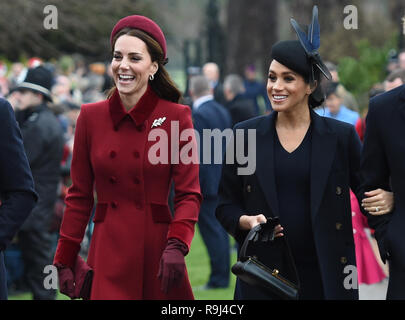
(17,195)
(210,115)
(383,166)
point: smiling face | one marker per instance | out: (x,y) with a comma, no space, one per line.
(286,89)
(132,65)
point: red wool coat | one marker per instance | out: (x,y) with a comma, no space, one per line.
(132,221)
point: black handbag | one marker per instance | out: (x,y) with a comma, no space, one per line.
(252,271)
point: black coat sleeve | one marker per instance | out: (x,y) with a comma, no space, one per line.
(354,164)
(16,183)
(375,174)
(230,195)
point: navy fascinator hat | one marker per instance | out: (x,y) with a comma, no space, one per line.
(302,56)
(311,43)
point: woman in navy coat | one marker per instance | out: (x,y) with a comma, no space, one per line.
(305,169)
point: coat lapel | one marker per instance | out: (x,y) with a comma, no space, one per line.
(265,161)
(322,156)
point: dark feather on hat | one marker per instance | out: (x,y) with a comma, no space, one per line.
(311,43)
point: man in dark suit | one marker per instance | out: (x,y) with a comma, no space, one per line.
(17,195)
(208,114)
(383,166)
(240,107)
(211,71)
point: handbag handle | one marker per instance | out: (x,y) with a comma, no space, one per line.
(252,234)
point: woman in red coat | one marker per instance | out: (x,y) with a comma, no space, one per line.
(138,248)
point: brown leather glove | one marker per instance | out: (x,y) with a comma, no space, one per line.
(172,265)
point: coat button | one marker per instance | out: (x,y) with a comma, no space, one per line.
(139,206)
(136,154)
(343,260)
(113,180)
(112,154)
(114,204)
(249,188)
(338,191)
(137,181)
(339,226)
(140,128)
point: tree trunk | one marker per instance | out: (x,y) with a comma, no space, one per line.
(251,32)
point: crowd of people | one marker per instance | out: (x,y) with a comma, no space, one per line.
(85,133)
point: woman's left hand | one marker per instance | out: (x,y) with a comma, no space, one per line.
(378,202)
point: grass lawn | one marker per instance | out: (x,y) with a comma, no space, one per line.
(198,270)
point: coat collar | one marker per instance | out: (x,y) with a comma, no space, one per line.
(322,155)
(402,94)
(402,97)
(139,113)
(31,113)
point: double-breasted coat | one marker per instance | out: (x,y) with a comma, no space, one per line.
(116,152)
(334,169)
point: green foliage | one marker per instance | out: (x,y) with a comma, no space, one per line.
(359,75)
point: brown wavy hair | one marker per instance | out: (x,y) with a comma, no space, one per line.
(162,84)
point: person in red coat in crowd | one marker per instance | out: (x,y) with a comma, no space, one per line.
(137,249)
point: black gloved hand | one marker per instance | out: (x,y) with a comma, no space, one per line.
(267,232)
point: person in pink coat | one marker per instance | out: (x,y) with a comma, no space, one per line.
(369,270)
(137,249)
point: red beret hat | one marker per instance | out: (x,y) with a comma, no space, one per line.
(142,23)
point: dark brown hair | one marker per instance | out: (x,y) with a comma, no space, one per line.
(162,84)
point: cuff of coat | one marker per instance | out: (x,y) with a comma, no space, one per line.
(183,231)
(66,253)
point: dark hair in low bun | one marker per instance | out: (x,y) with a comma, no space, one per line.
(317,97)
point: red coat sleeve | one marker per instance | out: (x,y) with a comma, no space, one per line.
(188,198)
(79,199)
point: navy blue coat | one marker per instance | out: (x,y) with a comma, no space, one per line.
(211,115)
(383,166)
(17,192)
(335,162)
